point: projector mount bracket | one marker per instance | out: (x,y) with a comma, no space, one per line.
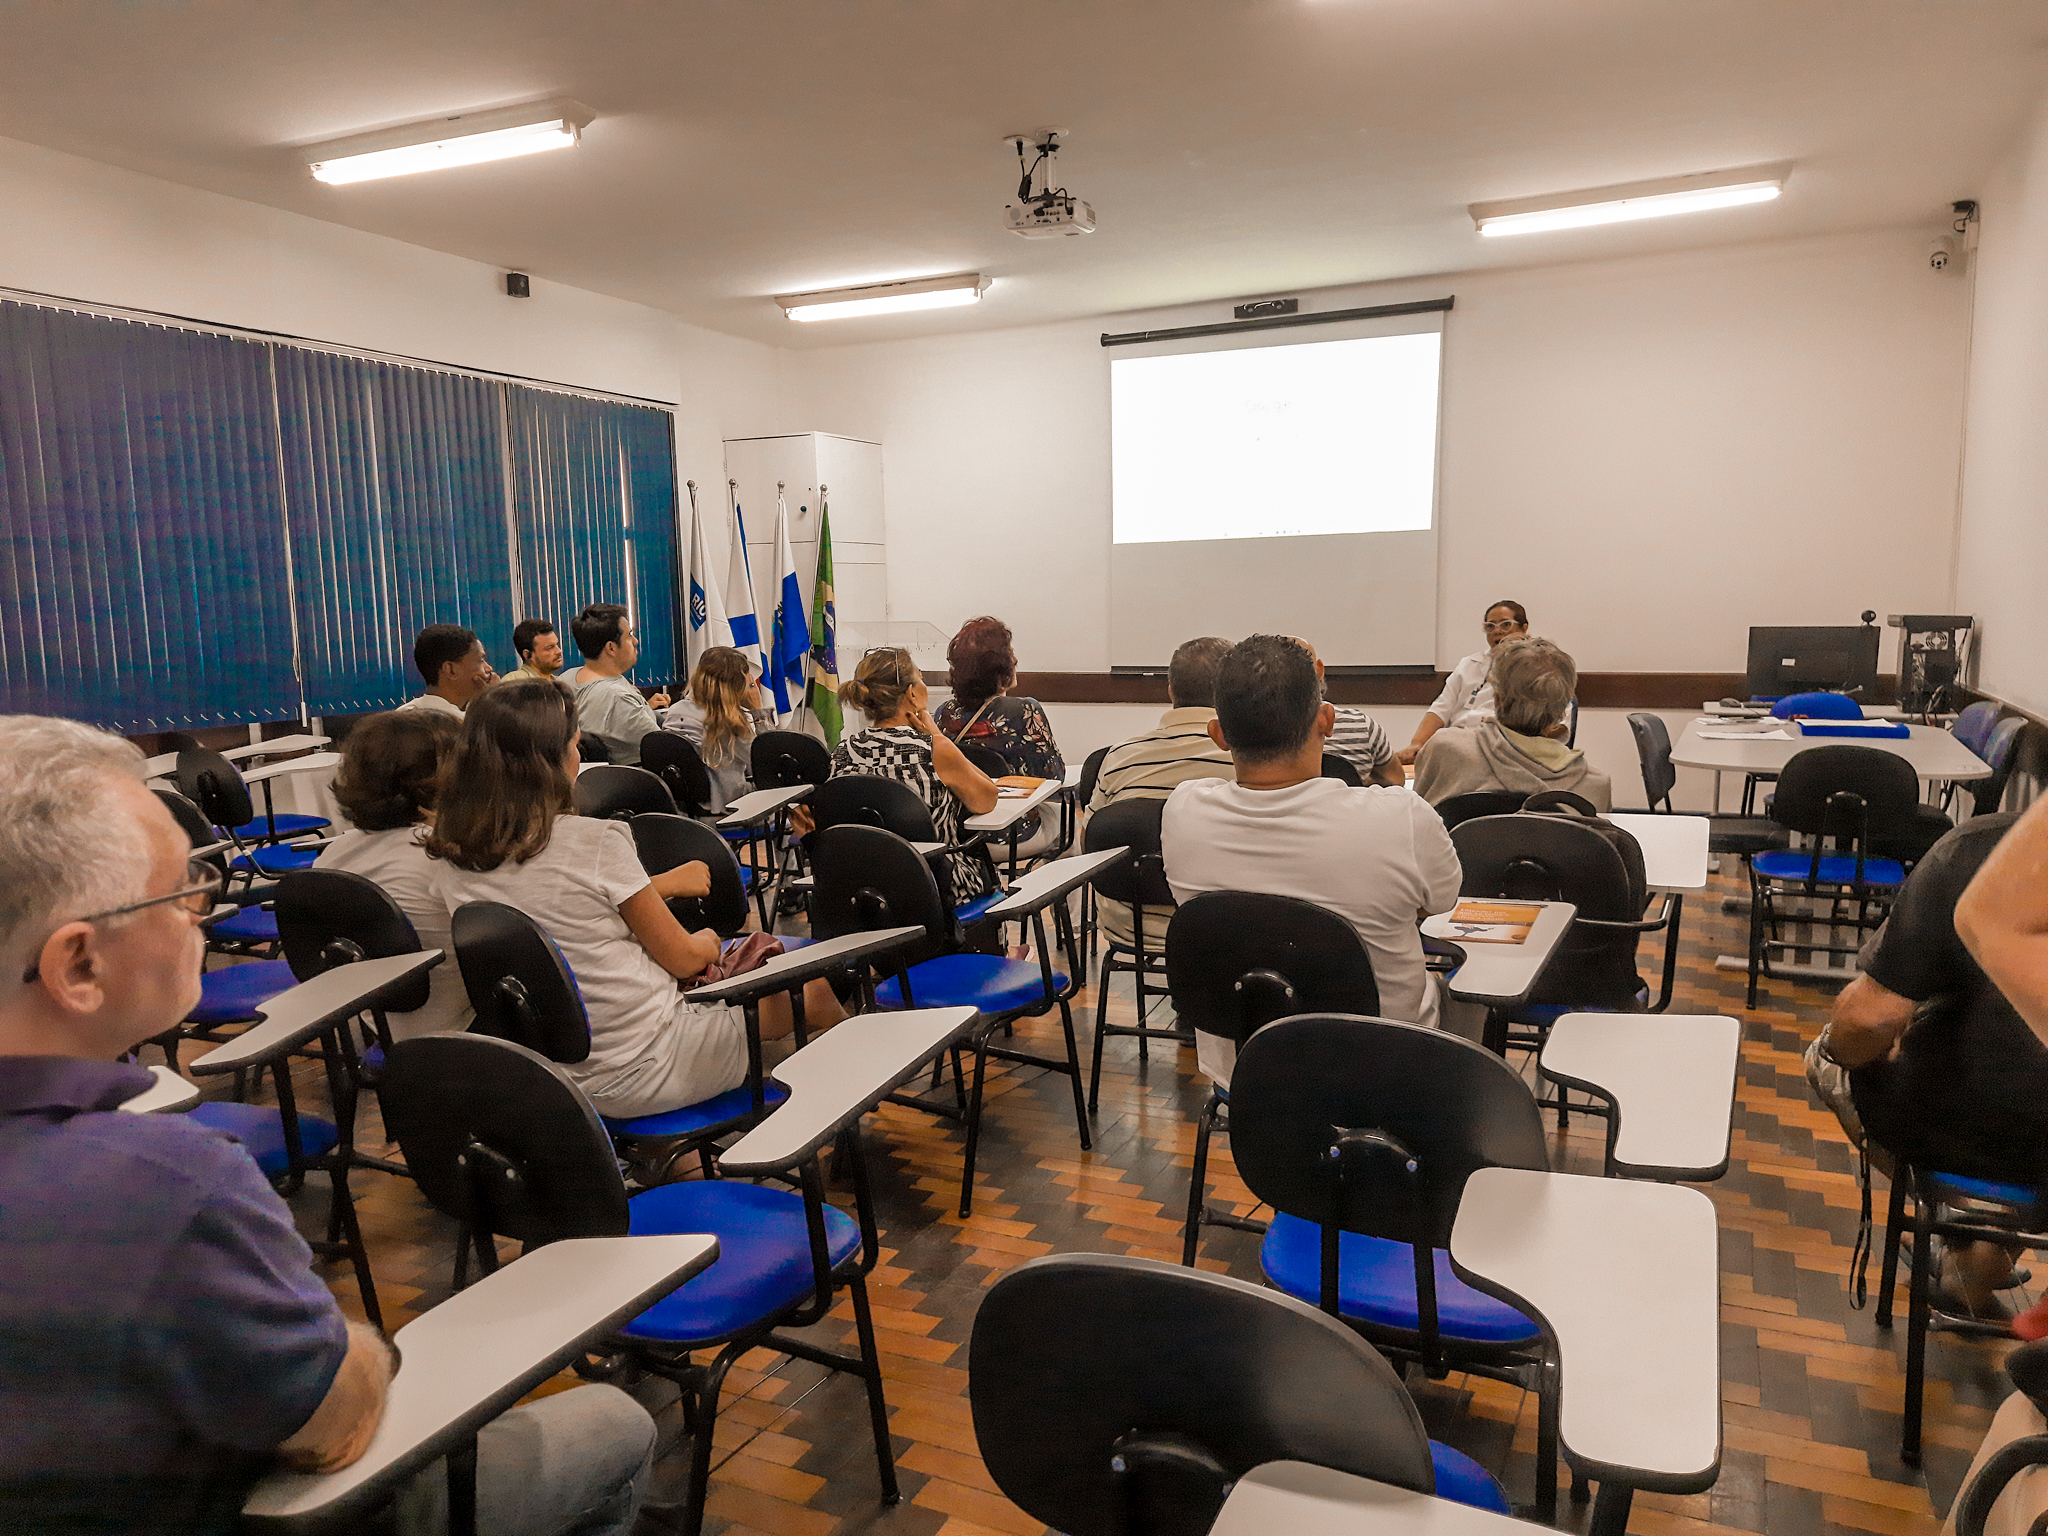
(1037,172)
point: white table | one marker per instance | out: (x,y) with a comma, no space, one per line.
(277,746)
(317,762)
(476,1354)
(1013,808)
(1669,1083)
(169,1094)
(293,1018)
(163,766)
(1292,1498)
(1674,849)
(1935,755)
(758,804)
(1050,881)
(1625,1279)
(1503,975)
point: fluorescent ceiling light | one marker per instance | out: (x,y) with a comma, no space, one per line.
(885,298)
(470,139)
(1631,201)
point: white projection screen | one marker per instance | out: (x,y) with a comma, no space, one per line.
(1278,480)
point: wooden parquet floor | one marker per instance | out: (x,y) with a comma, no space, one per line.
(1812,1390)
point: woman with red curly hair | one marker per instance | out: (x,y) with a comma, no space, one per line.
(980,713)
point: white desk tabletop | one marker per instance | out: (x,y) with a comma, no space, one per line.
(1674,849)
(1053,880)
(168,1094)
(1626,1276)
(1671,1078)
(163,766)
(1296,1499)
(1503,975)
(1010,810)
(843,1071)
(1073,778)
(757,803)
(810,960)
(1934,753)
(277,746)
(292,1018)
(484,1348)
(1719,710)
(317,762)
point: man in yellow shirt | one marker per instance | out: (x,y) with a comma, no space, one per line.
(539,648)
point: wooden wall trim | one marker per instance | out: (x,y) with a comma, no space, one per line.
(1597,690)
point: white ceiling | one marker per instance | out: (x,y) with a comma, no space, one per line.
(1230,147)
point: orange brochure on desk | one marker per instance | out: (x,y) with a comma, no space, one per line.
(1015,786)
(1491,922)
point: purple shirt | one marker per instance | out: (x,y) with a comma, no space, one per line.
(161,1328)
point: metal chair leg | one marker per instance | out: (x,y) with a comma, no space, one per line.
(973,1127)
(1917,1307)
(1198,1185)
(878,1407)
(1894,1226)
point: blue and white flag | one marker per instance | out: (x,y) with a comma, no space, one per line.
(739,587)
(708,624)
(789,630)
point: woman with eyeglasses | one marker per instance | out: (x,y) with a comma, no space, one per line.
(903,742)
(1467,698)
(506,830)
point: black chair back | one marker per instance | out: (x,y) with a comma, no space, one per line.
(1139,880)
(1973,726)
(1237,960)
(1561,857)
(213,784)
(1847,792)
(1091,770)
(591,748)
(785,759)
(329,917)
(1342,769)
(666,841)
(614,792)
(2001,752)
(869,800)
(869,878)
(499,1138)
(680,766)
(518,982)
(1653,752)
(193,823)
(1463,808)
(1115,1395)
(1410,1114)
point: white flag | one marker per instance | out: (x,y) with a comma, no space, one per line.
(709,625)
(789,646)
(739,586)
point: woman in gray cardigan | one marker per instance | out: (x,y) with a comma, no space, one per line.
(1521,750)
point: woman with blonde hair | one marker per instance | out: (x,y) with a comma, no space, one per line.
(719,717)
(506,830)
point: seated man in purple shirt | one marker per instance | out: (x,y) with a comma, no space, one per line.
(163,1338)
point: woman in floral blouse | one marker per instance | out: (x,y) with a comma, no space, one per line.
(984,669)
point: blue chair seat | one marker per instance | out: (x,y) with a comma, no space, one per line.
(232,994)
(260,1128)
(1954,1185)
(986,983)
(1463,1481)
(251,925)
(746,878)
(277,861)
(1835,868)
(971,911)
(764,1256)
(1376,1284)
(289,824)
(721,1109)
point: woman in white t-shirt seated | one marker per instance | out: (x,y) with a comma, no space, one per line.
(390,765)
(718,718)
(506,830)
(1467,698)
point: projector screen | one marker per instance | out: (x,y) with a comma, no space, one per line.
(1278,481)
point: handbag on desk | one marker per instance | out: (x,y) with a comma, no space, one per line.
(748,952)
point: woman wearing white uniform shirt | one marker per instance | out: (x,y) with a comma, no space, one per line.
(1467,698)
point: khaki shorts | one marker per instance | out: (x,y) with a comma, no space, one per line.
(702,1054)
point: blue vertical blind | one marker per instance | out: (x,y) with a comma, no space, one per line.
(594,514)
(201,530)
(144,583)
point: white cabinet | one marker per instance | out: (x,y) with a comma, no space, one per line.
(848,471)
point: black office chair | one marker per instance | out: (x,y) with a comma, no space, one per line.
(2001,752)
(1361,1133)
(215,785)
(1726,834)
(785,759)
(1091,770)
(1116,1396)
(2027,1366)
(1850,797)
(501,1139)
(252,930)
(1236,961)
(664,842)
(272,825)
(1137,882)
(680,766)
(592,749)
(868,800)
(1462,808)
(613,792)
(987,759)
(1341,769)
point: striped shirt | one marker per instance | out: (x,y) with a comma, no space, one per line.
(1360,741)
(1176,749)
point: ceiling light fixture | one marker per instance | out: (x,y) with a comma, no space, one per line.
(1631,201)
(885,298)
(470,139)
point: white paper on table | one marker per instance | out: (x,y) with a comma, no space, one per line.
(1777,735)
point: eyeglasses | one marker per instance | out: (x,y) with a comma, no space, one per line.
(1493,624)
(203,884)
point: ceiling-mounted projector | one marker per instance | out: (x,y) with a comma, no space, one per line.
(1043,210)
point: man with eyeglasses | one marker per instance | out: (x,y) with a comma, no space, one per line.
(163,1338)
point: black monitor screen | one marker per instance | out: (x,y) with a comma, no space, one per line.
(1810,658)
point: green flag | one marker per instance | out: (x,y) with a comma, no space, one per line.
(824,696)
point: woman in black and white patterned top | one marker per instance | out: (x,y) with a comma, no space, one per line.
(902,743)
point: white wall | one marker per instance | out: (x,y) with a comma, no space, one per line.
(2002,541)
(1653,454)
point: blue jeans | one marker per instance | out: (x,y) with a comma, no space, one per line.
(580,1461)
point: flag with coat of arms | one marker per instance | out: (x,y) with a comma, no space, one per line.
(824,696)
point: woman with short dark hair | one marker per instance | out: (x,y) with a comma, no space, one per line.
(386,787)
(983,669)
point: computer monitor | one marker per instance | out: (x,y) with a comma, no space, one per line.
(1811,658)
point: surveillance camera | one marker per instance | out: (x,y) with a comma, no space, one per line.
(1942,254)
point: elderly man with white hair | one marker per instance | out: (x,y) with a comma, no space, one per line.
(1521,750)
(163,1338)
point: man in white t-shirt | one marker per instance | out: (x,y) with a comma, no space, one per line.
(1378,857)
(452,661)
